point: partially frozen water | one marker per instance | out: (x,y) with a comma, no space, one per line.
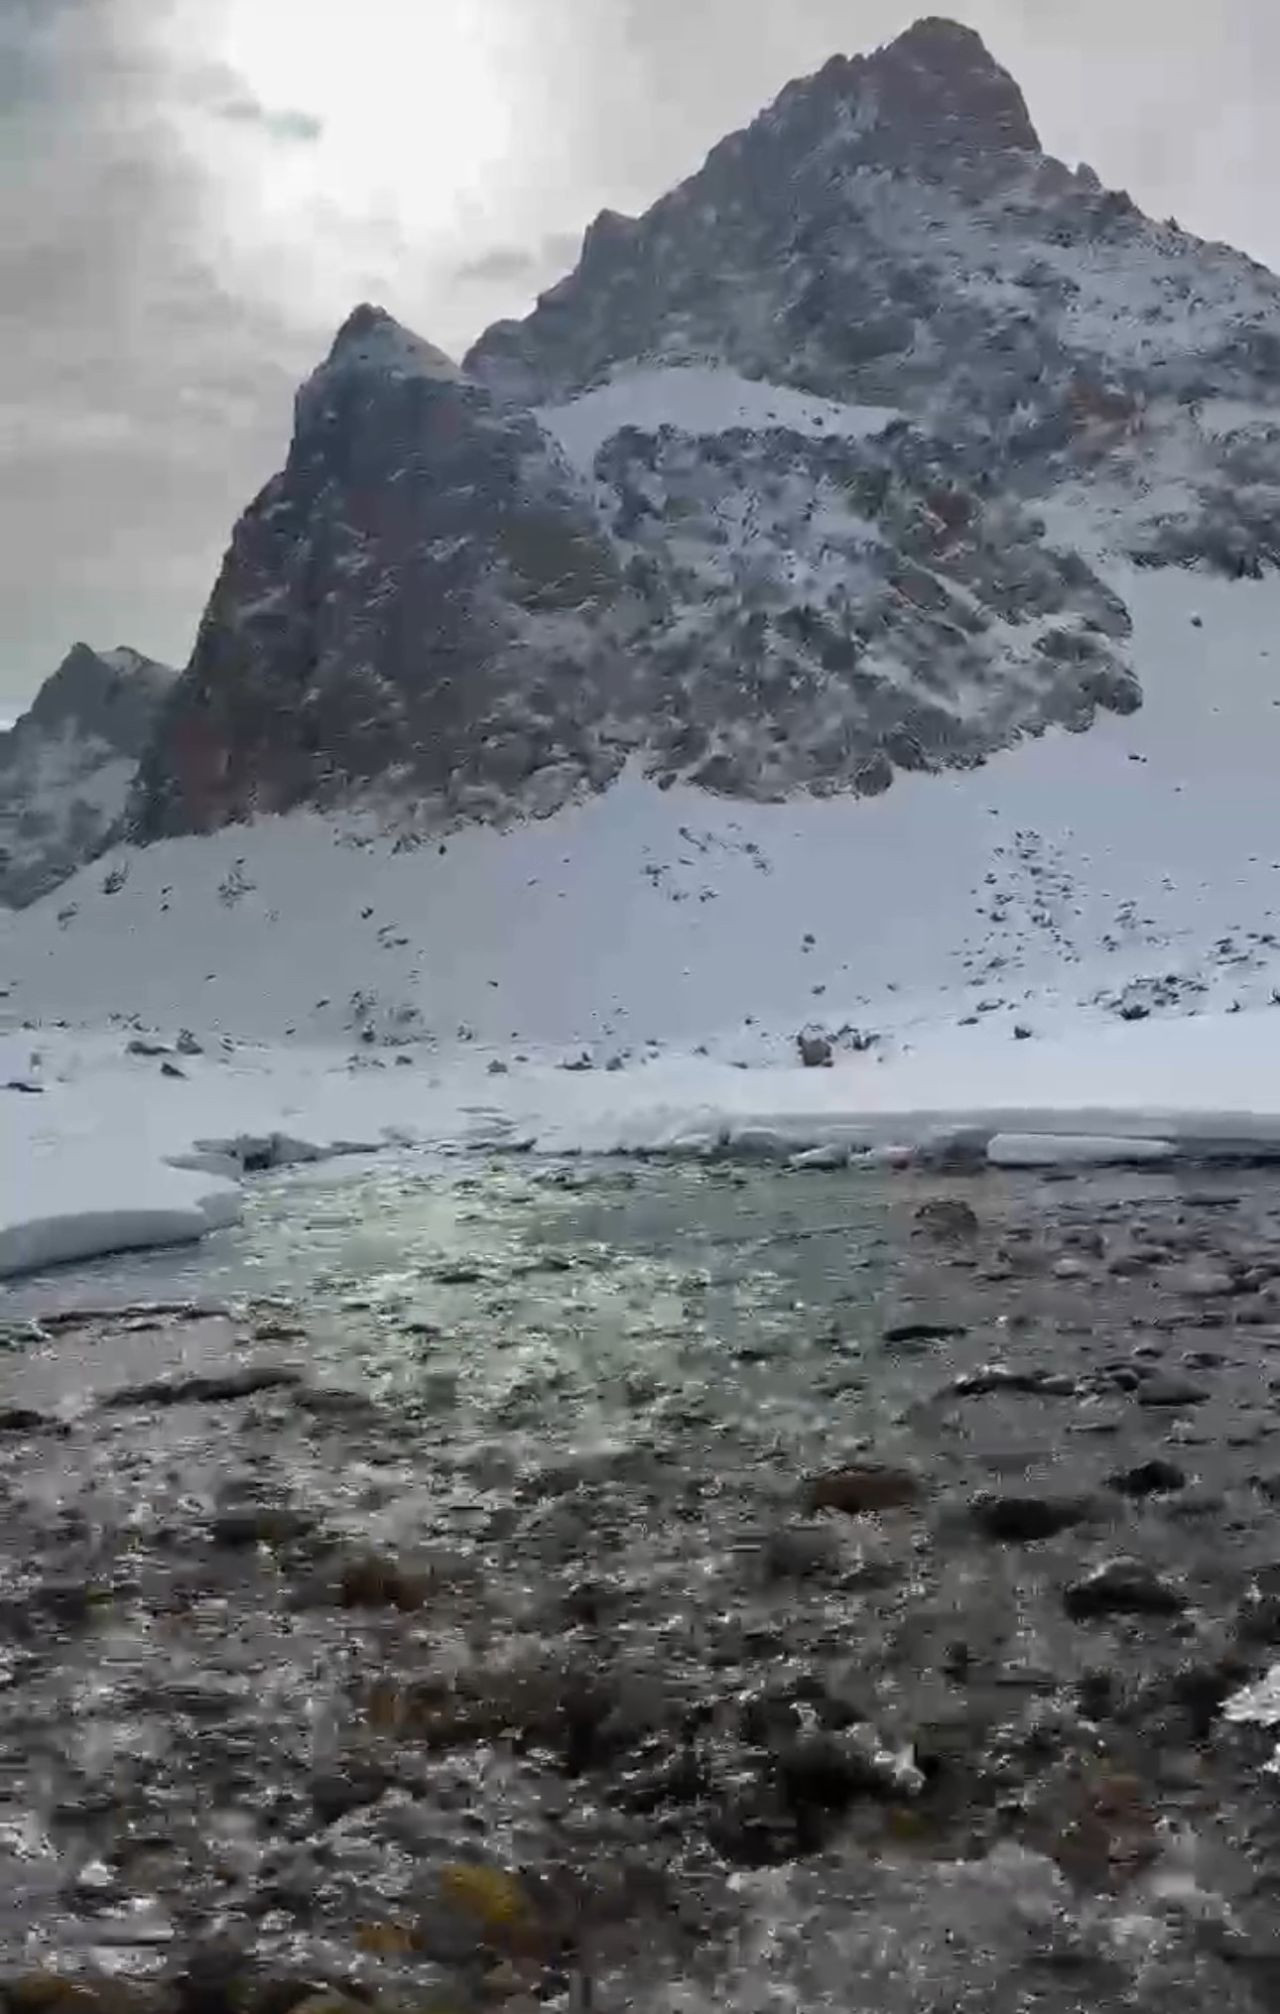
(484,1532)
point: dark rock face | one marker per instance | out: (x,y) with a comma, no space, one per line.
(67,765)
(820,563)
(417,598)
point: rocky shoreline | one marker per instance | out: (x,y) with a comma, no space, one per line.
(710,1585)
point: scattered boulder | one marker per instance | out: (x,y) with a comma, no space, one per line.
(816,1050)
(187,1044)
(1122,1587)
(140,1046)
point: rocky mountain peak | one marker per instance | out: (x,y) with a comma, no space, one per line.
(372,339)
(940,86)
(108,696)
(373,358)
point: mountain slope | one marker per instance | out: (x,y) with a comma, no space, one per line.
(1074,876)
(68,765)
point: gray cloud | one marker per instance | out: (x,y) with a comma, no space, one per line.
(524,266)
(285,124)
(180,233)
(141,402)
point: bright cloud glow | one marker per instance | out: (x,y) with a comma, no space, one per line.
(415,102)
(351,148)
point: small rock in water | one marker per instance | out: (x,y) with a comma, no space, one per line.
(797,1551)
(858,1492)
(336,1793)
(995,1378)
(1021,1520)
(831,1769)
(277,1329)
(821,1160)
(259,1524)
(1148,1479)
(21,1420)
(1203,1283)
(1122,1587)
(924,1332)
(374,1582)
(197,1390)
(1166,1388)
(948,1218)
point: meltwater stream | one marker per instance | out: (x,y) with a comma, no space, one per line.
(487,1582)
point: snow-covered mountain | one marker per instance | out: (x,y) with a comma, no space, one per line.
(885,446)
(68,764)
(890,230)
(804,479)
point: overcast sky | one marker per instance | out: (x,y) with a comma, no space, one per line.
(194,192)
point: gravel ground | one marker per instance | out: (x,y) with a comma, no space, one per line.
(669,1588)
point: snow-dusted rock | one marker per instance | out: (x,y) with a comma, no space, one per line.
(67,765)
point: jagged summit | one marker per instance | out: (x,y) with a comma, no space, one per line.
(940,85)
(110,695)
(377,368)
(372,339)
